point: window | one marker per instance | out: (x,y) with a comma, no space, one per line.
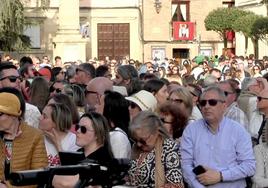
(180,10)
(33,32)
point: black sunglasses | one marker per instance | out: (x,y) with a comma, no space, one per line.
(11,78)
(211,102)
(260,98)
(52,89)
(82,128)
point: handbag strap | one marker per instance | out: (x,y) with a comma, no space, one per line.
(160,178)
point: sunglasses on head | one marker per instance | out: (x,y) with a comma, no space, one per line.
(82,128)
(11,78)
(260,98)
(211,102)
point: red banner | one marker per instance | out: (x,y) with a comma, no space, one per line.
(183,30)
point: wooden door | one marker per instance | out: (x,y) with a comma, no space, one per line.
(113,40)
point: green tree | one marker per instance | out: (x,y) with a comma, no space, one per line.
(259,31)
(221,20)
(244,24)
(13,23)
(11,26)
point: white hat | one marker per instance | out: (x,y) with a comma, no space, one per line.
(144,99)
(121,89)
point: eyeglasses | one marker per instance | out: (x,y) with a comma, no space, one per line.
(142,141)
(52,89)
(211,102)
(178,101)
(226,93)
(90,92)
(260,98)
(12,78)
(164,121)
(82,128)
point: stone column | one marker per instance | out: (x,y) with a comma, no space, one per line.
(69,43)
(69,15)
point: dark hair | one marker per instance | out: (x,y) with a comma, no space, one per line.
(116,110)
(179,118)
(129,72)
(24,69)
(153,85)
(101,70)
(101,128)
(55,71)
(25,60)
(6,65)
(89,68)
(65,99)
(39,92)
(19,95)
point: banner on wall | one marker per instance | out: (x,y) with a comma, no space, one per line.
(183,30)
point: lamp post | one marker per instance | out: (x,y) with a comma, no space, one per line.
(157,5)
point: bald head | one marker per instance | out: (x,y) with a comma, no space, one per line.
(100,85)
(95,89)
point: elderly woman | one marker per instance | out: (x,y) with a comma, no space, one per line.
(156,161)
(21,146)
(55,122)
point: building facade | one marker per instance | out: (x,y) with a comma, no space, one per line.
(143,30)
(260,8)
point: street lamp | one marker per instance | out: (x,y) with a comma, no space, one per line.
(157,5)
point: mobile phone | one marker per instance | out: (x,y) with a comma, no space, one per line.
(199,170)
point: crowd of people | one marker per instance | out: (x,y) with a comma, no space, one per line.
(191,123)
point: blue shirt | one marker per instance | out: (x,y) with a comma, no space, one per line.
(229,151)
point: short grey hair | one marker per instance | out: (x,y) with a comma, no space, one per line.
(247,82)
(216,89)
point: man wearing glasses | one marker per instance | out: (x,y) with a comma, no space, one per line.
(220,145)
(233,111)
(9,77)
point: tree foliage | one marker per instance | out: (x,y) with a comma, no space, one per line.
(245,24)
(222,19)
(12,25)
(260,28)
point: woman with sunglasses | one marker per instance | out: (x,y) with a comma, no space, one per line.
(156,161)
(93,137)
(55,122)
